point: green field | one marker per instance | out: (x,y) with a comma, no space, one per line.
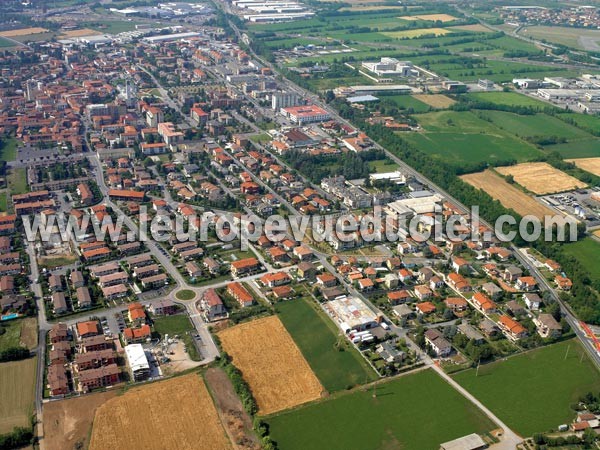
(5,43)
(407,102)
(12,334)
(535,125)
(179,325)
(111,26)
(17,181)
(507,98)
(568,36)
(580,149)
(587,252)
(460,137)
(17,388)
(532,392)
(413,412)
(8,149)
(316,337)
(382,166)
(585,121)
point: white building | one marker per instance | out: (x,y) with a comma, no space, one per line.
(351,313)
(391,67)
(139,368)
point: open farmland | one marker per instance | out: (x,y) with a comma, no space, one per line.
(23,32)
(534,177)
(272,364)
(81,32)
(431,17)
(591,165)
(175,414)
(510,196)
(586,251)
(417,33)
(405,413)
(67,423)
(580,38)
(477,28)
(17,385)
(587,148)
(317,337)
(435,100)
(507,98)
(533,391)
(407,102)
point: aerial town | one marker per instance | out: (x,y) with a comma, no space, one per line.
(299,225)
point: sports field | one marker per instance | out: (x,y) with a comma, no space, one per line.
(271,363)
(416,412)
(591,165)
(535,178)
(17,389)
(175,414)
(507,194)
(532,392)
(337,366)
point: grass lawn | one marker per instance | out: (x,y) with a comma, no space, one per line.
(261,138)
(587,148)
(407,102)
(413,412)
(382,166)
(12,334)
(17,388)
(185,294)
(54,262)
(507,98)
(17,181)
(586,251)
(8,149)
(3,201)
(316,336)
(179,325)
(532,392)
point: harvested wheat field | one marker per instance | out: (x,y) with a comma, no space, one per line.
(432,17)
(435,100)
(271,363)
(23,32)
(597,233)
(177,414)
(591,165)
(508,195)
(79,33)
(67,423)
(541,178)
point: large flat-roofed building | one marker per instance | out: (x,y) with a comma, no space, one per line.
(391,67)
(351,313)
(139,368)
(305,114)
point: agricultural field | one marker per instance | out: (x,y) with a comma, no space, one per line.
(175,414)
(384,417)
(23,32)
(586,251)
(591,165)
(587,148)
(407,102)
(507,194)
(417,33)
(68,423)
(476,28)
(538,125)
(579,38)
(17,393)
(588,122)
(508,98)
(111,26)
(81,32)
(534,177)
(438,101)
(431,17)
(462,137)
(5,43)
(533,391)
(277,373)
(336,364)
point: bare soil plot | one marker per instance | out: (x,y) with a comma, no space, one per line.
(541,178)
(435,100)
(79,33)
(177,414)
(271,363)
(508,195)
(29,332)
(597,233)
(23,32)
(67,423)
(235,419)
(17,386)
(591,165)
(432,17)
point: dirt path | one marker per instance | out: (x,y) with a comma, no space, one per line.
(235,420)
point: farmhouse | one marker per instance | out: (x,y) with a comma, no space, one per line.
(351,313)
